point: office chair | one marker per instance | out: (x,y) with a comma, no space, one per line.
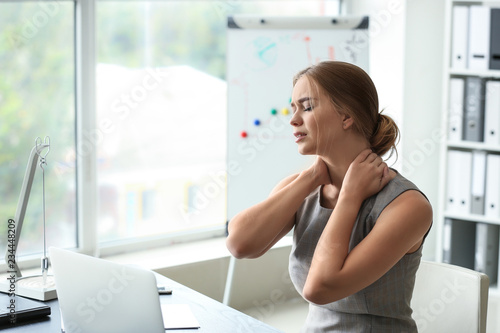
(449,298)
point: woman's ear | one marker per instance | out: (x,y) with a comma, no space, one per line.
(347,121)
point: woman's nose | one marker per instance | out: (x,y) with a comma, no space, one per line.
(295,121)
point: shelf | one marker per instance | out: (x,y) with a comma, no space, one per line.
(473,145)
(472,218)
(459,232)
(476,2)
(470,72)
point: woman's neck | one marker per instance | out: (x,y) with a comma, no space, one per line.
(338,161)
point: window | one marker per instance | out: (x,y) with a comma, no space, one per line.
(160,117)
(37,99)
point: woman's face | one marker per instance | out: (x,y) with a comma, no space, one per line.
(317,126)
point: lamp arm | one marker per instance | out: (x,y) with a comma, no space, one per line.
(22,204)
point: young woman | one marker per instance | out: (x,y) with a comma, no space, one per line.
(358,225)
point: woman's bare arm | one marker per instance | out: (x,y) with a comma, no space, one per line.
(255,230)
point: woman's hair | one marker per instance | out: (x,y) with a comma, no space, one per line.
(353,93)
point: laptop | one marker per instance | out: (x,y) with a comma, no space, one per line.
(18,309)
(100,296)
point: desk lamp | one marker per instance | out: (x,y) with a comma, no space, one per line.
(39,287)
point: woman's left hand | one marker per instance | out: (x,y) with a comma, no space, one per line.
(366,175)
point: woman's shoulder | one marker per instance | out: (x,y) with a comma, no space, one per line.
(401,191)
(405,205)
(404,194)
(400,184)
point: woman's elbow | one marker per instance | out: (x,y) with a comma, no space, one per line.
(316,293)
(235,250)
(312,295)
(238,248)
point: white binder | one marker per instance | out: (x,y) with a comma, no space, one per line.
(464,197)
(492,113)
(459,37)
(452,186)
(458,182)
(456,109)
(478,181)
(492,190)
(479,38)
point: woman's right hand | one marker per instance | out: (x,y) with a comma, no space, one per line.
(366,175)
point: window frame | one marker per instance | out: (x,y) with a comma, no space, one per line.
(86,175)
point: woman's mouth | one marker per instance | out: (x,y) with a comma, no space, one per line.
(299,136)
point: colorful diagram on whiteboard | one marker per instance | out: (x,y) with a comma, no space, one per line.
(273,121)
(266,54)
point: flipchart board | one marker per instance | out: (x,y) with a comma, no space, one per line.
(263,55)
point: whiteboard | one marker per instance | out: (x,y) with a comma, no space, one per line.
(263,55)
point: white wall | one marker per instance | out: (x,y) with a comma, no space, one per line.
(423,79)
(386,32)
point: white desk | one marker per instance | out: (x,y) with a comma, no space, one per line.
(212,315)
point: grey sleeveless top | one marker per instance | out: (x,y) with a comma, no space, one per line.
(383,306)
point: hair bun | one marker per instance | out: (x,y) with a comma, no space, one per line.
(385,136)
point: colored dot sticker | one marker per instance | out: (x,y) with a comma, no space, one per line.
(256,122)
(274,112)
(285,111)
(243,134)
